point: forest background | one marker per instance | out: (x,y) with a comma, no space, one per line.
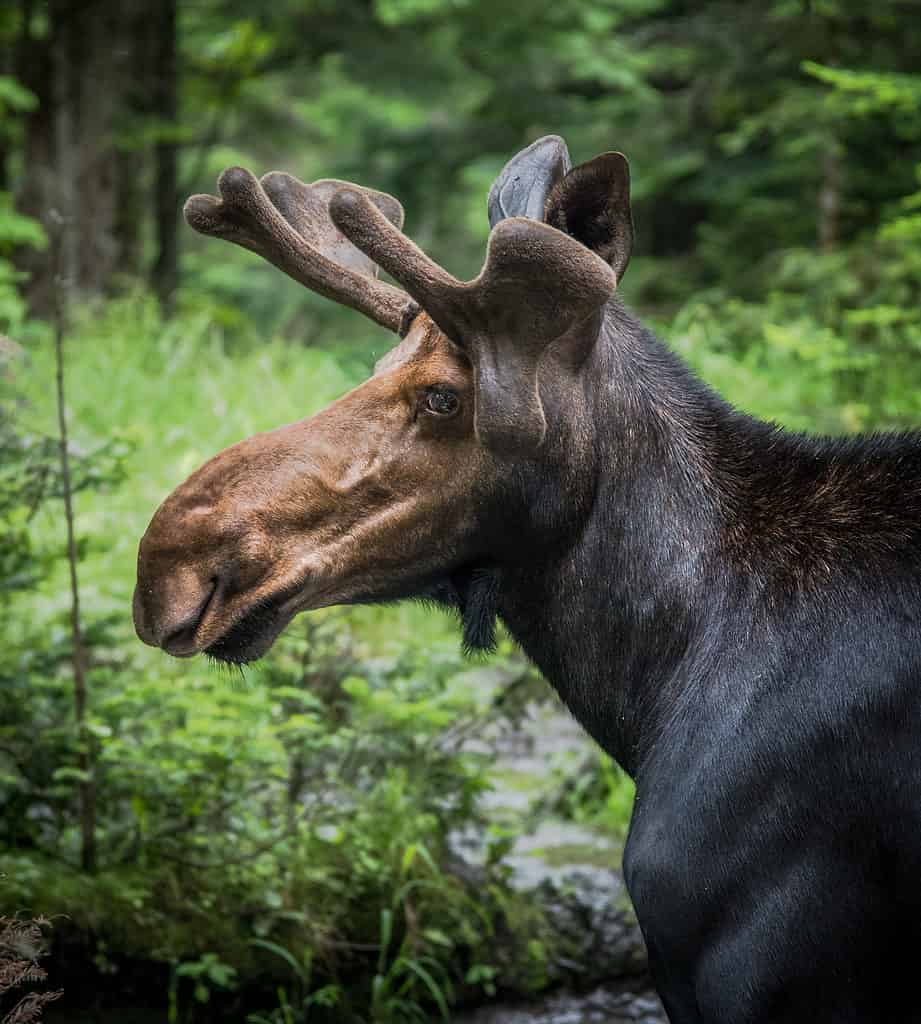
(279,844)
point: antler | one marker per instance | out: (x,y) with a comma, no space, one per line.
(536,285)
(523,257)
(540,283)
(288,223)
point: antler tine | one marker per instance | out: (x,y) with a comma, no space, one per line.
(246,215)
(519,251)
(436,291)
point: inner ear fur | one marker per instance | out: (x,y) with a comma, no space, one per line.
(592,204)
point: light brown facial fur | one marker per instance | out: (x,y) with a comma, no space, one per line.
(367,500)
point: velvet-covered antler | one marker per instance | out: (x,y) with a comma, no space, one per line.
(288,223)
(536,285)
(541,281)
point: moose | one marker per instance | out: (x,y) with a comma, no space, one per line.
(732,611)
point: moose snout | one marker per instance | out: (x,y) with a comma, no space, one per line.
(226,551)
(199,563)
(182,580)
(168,614)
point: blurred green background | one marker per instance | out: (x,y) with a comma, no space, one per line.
(279,842)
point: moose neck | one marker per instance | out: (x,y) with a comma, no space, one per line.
(612,612)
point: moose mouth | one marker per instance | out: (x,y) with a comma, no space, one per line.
(470,591)
(252,635)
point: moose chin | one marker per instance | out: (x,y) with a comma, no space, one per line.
(732,611)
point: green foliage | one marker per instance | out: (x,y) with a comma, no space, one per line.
(207,974)
(864,93)
(597,792)
(286,809)
(14,97)
(834,343)
(15,230)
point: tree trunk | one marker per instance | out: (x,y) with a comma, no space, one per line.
(830,198)
(133,160)
(166,199)
(82,72)
(63,201)
(33,66)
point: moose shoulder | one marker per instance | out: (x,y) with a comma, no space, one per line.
(732,611)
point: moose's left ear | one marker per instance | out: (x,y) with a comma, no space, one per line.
(592,204)
(523,185)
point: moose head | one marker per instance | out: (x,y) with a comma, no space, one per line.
(463,448)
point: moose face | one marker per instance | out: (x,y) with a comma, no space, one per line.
(385,494)
(376,497)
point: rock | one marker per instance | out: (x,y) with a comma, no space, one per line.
(599,938)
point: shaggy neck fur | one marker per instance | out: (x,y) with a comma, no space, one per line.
(687,532)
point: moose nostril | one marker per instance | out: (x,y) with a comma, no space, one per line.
(180,640)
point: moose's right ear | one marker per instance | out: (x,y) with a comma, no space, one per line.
(592,204)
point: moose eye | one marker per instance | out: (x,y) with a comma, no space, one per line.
(440,402)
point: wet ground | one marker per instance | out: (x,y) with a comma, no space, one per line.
(605,1005)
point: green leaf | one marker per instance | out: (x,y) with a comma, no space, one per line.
(17,229)
(14,97)
(68,774)
(415,967)
(284,954)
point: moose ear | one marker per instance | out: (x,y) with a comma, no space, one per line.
(592,204)
(537,287)
(522,187)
